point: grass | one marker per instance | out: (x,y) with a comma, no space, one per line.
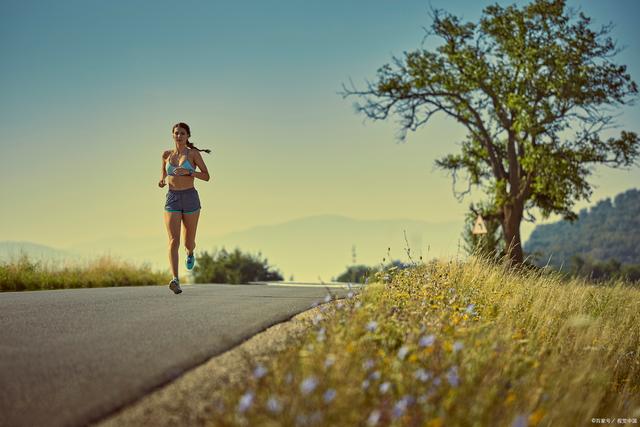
(455,344)
(21,274)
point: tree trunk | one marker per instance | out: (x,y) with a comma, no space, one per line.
(511,229)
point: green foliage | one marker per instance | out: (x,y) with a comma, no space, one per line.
(603,242)
(533,86)
(600,271)
(365,274)
(357,274)
(232,267)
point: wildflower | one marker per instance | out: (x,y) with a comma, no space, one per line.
(422,375)
(273,405)
(384,387)
(327,298)
(314,304)
(259,372)
(375,375)
(339,305)
(402,353)
(350,294)
(308,385)
(374,417)
(401,406)
(365,384)
(470,309)
(427,341)
(317,319)
(357,305)
(452,376)
(520,421)
(329,395)
(329,361)
(321,335)
(245,401)
(368,364)
(372,326)
(457,346)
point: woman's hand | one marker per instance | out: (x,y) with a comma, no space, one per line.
(161,183)
(181,171)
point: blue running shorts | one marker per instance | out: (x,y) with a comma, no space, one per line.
(185,201)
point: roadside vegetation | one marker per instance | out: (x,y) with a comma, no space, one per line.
(471,343)
(22,273)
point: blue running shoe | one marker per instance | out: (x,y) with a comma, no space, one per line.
(191,260)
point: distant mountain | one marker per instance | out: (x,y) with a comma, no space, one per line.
(307,248)
(608,231)
(10,250)
(322,246)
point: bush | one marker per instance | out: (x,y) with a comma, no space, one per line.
(232,267)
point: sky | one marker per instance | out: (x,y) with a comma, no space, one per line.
(91,88)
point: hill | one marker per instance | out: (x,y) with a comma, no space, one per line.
(607,231)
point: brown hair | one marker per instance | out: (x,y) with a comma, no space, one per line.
(189,144)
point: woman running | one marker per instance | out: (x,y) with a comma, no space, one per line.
(183,203)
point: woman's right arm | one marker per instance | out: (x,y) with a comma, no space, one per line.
(162,182)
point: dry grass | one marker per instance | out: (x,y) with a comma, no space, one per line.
(455,344)
(25,274)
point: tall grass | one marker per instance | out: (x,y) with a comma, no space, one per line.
(455,344)
(22,273)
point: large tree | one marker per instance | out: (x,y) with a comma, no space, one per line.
(535,88)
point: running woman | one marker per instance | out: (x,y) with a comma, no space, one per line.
(183,203)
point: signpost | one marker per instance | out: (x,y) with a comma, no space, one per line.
(479,227)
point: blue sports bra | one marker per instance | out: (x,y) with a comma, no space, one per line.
(171,169)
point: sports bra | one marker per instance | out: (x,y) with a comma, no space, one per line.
(171,169)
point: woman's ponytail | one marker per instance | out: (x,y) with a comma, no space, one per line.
(189,144)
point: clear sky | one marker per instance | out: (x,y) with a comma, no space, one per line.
(90,90)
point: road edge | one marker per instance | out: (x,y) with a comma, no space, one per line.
(191,398)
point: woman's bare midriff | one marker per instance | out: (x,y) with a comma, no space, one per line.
(180,182)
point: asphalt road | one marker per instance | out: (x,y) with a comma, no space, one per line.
(72,357)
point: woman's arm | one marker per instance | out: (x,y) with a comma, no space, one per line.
(162,183)
(204,172)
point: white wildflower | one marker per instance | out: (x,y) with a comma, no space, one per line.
(274,405)
(374,417)
(260,371)
(402,353)
(372,326)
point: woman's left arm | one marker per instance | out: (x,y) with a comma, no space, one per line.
(204,172)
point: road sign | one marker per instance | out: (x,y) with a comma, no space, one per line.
(479,227)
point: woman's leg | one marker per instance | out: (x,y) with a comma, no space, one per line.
(172,222)
(190,222)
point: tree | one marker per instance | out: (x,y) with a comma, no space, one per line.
(234,267)
(357,274)
(534,87)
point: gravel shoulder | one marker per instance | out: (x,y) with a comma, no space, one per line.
(189,399)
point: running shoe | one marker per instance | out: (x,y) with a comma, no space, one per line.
(175,286)
(191,260)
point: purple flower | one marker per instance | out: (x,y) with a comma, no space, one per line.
(427,341)
(452,376)
(245,402)
(329,395)
(308,385)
